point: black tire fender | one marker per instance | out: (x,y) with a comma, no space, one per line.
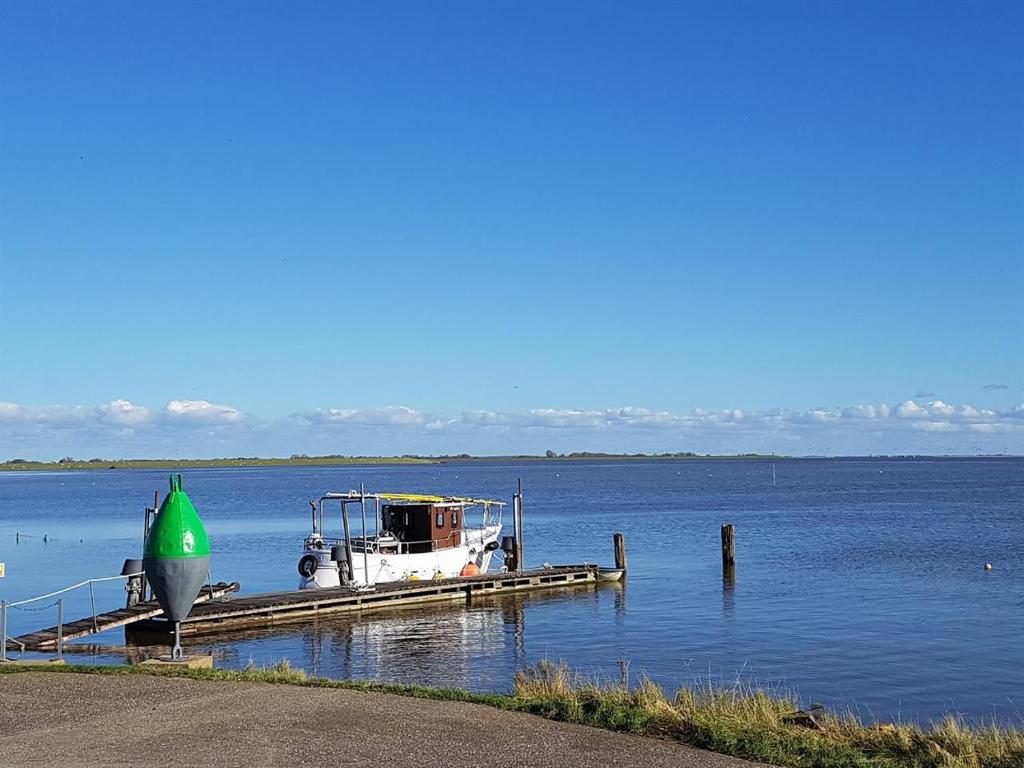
(308,565)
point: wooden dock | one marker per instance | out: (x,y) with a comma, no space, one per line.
(275,608)
(46,639)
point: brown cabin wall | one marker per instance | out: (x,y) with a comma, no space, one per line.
(446,535)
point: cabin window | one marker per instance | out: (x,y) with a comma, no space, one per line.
(455,518)
(440,519)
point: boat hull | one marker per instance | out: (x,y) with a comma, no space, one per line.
(385,567)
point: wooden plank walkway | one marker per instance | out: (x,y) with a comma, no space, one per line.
(273,608)
(46,639)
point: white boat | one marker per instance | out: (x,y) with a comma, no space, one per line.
(401,537)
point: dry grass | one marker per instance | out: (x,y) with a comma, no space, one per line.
(747,722)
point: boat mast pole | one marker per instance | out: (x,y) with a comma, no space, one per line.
(348,541)
(362,508)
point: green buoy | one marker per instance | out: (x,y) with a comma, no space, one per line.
(176,557)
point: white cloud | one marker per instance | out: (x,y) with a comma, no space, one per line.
(201,412)
(866,412)
(935,426)
(52,415)
(387,415)
(911,410)
(123,412)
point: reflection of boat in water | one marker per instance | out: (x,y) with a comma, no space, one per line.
(413,537)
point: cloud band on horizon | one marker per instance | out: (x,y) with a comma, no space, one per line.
(198,428)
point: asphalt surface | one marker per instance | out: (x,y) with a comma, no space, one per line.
(75,720)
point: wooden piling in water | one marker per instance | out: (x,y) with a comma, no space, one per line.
(620,551)
(728,552)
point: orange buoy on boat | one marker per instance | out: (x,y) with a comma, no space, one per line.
(470,569)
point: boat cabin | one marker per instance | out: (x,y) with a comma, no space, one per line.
(422,527)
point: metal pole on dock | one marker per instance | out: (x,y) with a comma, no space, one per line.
(348,541)
(517,523)
(362,509)
(620,551)
(522,560)
(3,630)
(728,552)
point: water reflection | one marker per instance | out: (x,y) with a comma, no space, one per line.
(728,598)
(477,646)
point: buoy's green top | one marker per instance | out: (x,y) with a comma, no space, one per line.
(177,531)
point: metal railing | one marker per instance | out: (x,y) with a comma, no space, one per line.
(59,603)
(372,545)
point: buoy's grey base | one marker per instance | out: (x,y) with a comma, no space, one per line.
(186,662)
(176,582)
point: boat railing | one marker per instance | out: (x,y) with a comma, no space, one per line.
(372,546)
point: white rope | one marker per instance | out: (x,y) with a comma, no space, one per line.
(74,586)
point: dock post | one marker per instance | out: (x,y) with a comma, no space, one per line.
(519,535)
(728,552)
(620,551)
(362,512)
(60,628)
(3,630)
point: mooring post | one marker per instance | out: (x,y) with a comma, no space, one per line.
(3,630)
(620,551)
(515,531)
(60,628)
(728,552)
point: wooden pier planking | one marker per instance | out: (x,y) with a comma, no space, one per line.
(276,608)
(46,639)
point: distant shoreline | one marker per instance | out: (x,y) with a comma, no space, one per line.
(19,465)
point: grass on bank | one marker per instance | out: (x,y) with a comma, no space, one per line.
(295,461)
(70,464)
(741,722)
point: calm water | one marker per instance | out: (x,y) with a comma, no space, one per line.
(859,583)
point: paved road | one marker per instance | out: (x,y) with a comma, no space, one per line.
(98,720)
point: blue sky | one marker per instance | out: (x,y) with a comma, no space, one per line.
(275,228)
